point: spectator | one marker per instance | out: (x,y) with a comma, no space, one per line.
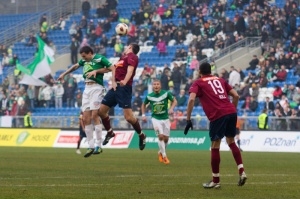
(42,20)
(194,63)
(176,78)
(140,87)
(244,92)
(58,94)
(118,48)
(156,18)
(74,50)
(4,105)
(234,77)
(263,81)
(297,68)
(160,11)
(255,91)
(277,92)
(253,63)
(22,110)
(84,42)
(14,112)
(181,98)
(281,74)
(269,105)
(85,8)
(31,96)
(296,97)
(165,80)
(31,40)
(60,25)
(5,60)
(101,11)
(104,40)
(136,104)
(47,93)
(79,98)
(83,22)
(161,47)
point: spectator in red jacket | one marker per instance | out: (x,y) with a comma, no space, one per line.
(281,74)
(277,93)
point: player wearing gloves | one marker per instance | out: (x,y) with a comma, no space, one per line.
(213,94)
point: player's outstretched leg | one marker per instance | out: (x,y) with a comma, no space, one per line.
(142,137)
(78,145)
(238,159)
(103,114)
(89,129)
(98,133)
(215,167)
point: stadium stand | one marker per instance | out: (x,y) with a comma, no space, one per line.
(206,28)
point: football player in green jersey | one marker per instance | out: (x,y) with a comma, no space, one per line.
(94,67)
(159,100)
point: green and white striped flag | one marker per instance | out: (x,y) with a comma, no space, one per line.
(39,67)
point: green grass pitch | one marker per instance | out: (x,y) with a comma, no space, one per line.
(46,173)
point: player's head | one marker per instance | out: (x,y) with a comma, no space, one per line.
(134,48)
(205,69)
(86,53)
(156,85)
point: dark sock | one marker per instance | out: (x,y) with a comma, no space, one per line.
(239,143)
(237,157)
(79,141)
(215,164)
(136,126)
(106,124)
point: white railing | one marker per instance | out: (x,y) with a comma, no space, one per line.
(249,43)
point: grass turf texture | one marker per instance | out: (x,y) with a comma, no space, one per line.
(128,173)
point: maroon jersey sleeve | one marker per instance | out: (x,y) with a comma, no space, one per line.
(194,88)
(132,60)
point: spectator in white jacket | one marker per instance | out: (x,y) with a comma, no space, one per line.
(5,60)
(234,77)
(47,93)
(58,93)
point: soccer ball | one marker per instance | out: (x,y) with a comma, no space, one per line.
(121,29)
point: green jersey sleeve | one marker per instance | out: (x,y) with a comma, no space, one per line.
(170,97)
(81,62)
(105,62)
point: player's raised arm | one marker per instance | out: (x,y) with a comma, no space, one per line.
(71,69)
(235,97)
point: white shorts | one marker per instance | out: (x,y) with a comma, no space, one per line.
(92,97)
(161,126)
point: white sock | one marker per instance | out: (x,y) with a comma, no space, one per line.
(98,130)
(162,147)
(89,130)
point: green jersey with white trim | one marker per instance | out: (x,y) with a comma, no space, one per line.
(159,104)
(97,62)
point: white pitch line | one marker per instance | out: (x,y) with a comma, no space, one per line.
(118,184)
(138,176)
